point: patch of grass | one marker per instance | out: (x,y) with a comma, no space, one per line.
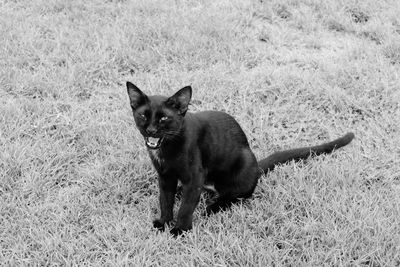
(76,184)
(358,16)
(392,52)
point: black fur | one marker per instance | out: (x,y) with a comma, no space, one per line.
(201,148)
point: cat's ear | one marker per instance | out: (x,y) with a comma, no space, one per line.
(136,97)
(180,100)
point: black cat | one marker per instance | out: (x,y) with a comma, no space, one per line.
(202,148)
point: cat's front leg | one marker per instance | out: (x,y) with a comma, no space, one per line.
(191,192)
(167,184)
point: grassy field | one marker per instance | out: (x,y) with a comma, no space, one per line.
(76,183)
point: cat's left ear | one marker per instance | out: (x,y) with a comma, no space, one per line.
(136,97)
(180,100)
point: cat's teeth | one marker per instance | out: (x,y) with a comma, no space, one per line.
(152,141)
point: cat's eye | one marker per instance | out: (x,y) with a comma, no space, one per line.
(142,116)
(165,118)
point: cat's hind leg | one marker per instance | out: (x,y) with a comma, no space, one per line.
(236,185)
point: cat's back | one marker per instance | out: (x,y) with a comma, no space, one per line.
(221,125)
(216,118)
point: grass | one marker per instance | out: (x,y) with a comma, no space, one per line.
(77,186)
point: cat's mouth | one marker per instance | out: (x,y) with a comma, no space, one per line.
(153,142)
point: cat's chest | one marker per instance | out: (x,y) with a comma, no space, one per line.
(164,162)
(155,155)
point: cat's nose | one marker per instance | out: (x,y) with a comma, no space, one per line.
(151,130)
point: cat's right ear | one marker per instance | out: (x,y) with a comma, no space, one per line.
(180,100)
(136,97)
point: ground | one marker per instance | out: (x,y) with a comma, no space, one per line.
(76,183)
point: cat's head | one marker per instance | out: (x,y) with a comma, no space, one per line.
(158,118)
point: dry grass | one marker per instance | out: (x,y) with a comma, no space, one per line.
(76,184)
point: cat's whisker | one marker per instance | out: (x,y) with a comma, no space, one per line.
(172,134)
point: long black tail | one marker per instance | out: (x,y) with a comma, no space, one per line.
(269,163)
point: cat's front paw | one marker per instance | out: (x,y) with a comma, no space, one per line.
(176,231)
(159,225)
(211,209)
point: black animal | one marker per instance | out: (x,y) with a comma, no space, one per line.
(202,148)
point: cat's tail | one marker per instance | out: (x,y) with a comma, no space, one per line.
(269,163)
